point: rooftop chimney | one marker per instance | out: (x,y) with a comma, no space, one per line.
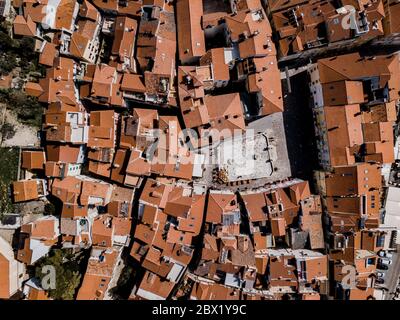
(155,194)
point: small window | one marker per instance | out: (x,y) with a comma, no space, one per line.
(370,261)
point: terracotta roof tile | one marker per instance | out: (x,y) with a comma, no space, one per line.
(99,273)
(24,27)
(25,190)
(191,38)
(33,160)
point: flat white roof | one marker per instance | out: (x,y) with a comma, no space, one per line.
(392,207)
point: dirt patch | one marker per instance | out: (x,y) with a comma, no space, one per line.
(25,136)
(35,208)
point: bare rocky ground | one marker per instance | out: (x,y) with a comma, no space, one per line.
(25,136)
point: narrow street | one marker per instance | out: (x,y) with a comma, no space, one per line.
(392,276)
(299,127)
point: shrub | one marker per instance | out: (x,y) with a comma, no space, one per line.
(8,63)
(28,109)
(18,52)
(67,270)
(49,209)
(7,131)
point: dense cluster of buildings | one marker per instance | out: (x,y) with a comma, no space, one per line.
(124,82)
(355,109)
(302,25)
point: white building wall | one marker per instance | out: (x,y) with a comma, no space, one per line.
(81,156)
(72,170)
(392,211)
(397,149)
(322,141)
(319,116)
(16,268)
(315,86)
(50,12)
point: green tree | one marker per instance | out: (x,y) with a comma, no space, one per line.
(7,131)
(28,109)
(17,52)
(8,63)
(49,209)
(125,283)
(67,268)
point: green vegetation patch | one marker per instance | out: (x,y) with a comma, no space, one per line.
(28,109)
(68,272)
(8,173)
(17,53)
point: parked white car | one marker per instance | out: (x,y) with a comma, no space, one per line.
(385,261)
(385,254)
(380,274)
